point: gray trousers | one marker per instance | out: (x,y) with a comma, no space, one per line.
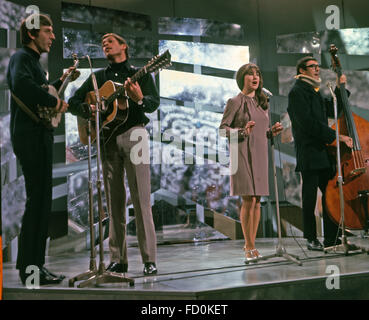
(117,162)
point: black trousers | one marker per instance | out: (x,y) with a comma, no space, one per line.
(35,151)
(311,181)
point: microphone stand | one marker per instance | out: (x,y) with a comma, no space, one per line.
(280,249)
(101,275)
(344,246)
(92,271)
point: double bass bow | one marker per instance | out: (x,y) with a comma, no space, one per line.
(354,164)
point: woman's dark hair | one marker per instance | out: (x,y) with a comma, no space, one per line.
(34,31)
(120,39)
(301,64)
(240,78)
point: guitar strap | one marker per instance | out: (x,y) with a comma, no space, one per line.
(26,109)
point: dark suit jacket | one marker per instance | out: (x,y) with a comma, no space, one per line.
(309,113)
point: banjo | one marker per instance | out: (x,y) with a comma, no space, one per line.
(50,115)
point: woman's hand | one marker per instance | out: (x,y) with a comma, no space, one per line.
(249,126)
(277,128)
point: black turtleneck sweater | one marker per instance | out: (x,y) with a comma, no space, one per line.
(119,72)
(25,77)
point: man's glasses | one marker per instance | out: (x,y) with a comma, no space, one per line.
(315,66)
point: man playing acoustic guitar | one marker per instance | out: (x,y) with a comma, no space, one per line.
(116,152)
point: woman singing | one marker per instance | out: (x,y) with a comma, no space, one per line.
(247,113)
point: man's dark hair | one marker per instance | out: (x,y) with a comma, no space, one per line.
(302,63)
(44,21)
(120,39)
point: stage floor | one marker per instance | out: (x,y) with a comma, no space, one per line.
(212,270)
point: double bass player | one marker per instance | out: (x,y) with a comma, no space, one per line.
(309,111)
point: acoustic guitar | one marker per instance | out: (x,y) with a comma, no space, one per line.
(113,97)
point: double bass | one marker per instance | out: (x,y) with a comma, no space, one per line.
(354,164)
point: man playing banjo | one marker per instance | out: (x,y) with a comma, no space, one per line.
(32,140)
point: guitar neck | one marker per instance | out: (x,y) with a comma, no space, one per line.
(154,65)
(64,86)
(67,80)
(139,74)
(121,91)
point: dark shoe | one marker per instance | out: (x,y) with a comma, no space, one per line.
(48,272)
(315,245)
(150,269)
(117,267)
(45,277)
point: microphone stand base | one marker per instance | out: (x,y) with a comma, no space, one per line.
(280,253)
(95,277)
(345,247)
(82,276)
(106,277)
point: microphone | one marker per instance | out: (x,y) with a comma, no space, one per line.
(267,92)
